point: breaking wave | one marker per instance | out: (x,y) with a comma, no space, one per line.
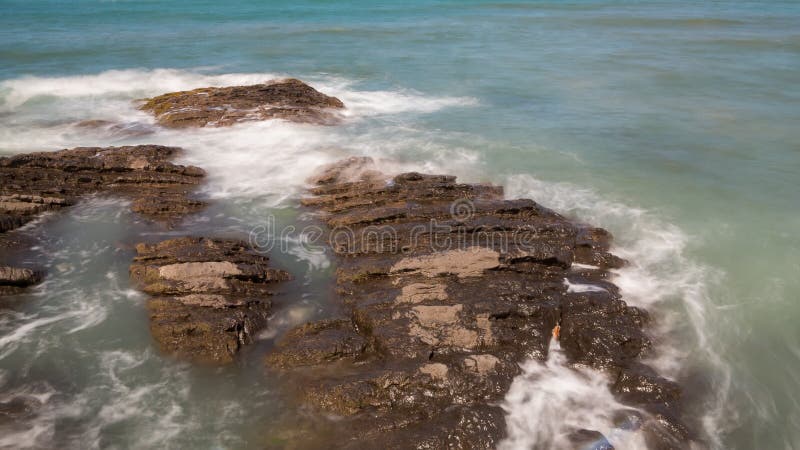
(659,278)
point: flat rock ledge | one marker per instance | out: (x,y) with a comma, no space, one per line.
(14,279)
(37,182)
(288,99)
(447,288)
(209,296)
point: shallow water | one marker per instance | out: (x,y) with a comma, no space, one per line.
(673,124)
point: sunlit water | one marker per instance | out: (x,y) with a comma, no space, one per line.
(673,124)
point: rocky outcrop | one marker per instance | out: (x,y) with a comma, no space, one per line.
(288,99)
(13,279)
(13,276)
(36,182)
(447,288)
(209,296)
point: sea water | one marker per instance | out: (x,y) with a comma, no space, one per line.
(674,124)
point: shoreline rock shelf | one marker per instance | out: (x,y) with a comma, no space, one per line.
(35,183)
(448,288)
(288,99)
(46,181)
(209,296)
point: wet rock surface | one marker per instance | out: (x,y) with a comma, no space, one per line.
(288,99)
(14,276)
(33,183)
(209,296)
(446,288)
(14,279)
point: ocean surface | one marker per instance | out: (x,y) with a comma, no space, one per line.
(674,124)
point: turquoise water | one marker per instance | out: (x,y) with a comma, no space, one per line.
(672,123)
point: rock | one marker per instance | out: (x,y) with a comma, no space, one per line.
(628,419)
(599,329)
(17,277)
(129,129)
(210,296)
(36,182)
(288,99)
(22,407)
(318,343)
(355,168)
(664,432)
(11,221)
(448,288)
(94,123)
(640,385)
(18,410)
(481,364)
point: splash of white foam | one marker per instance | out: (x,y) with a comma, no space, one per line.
(133,84)
(659,278)
(550,400)
(9,342)
(259,163)
(128,83)
(269,159)
(581,287)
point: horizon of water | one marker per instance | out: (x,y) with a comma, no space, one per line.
(672,124)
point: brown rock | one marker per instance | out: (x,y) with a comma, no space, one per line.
(318,343)
(37,182)
(18,277)
(210,296)
(450,287)
(123,129)
(288,99)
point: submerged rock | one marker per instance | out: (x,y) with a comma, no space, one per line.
(127,129)
(223,106)
(37,182)
(210,296)
(447,288)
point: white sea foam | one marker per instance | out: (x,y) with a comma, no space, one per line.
(257,165)
(582,287)
(550,400)
(118,88)
(135,83)
(584,266)
(659,278)
(381,103)
(153,407)
(25,328)
(24,434)
(129,83)
(268,159)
